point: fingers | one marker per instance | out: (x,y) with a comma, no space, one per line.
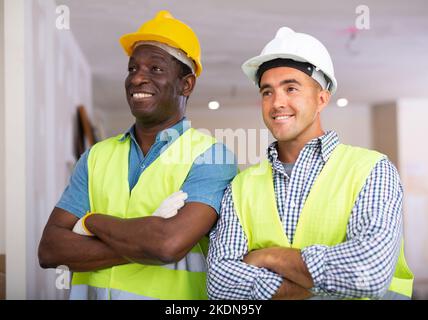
(79,229)
(175,199)
(179,195)
(171,205)
(166,212)
(179,204)
(169,214)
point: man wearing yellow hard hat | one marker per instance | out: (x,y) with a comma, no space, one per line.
(132,223)
(318,219)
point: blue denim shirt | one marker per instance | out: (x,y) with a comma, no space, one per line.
(205,182)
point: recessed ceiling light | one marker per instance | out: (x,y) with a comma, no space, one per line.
(342,102)
(213,105)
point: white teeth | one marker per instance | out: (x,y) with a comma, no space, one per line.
(141,95)
(282,117)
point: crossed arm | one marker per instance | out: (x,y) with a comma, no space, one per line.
(345,270)
(148,240)
(234,273)
(289,264)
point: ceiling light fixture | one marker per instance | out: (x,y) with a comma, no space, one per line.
(213,105)
(342,102)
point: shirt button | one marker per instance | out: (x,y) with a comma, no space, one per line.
(292,204)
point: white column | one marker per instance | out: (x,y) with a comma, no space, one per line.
(2,153)
(399,129)
(15,145)
(412,129)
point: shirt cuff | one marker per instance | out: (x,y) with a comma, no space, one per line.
(266,285)
(313,256)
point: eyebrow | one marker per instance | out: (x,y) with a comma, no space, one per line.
(159,57)
(283,82)
(154,57)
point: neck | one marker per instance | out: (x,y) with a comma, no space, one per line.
(288,151)
(145,134)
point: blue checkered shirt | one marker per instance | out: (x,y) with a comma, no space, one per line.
(362,266)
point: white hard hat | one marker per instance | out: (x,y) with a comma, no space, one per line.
(300,47)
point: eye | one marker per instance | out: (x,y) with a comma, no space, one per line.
(157,69)
(291,89)
(266,93)
(132,69)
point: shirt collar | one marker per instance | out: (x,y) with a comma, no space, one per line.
(325,144)
(167,135)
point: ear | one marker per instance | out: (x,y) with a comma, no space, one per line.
(323,99)
(188,84)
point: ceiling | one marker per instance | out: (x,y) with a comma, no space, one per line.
(386,62)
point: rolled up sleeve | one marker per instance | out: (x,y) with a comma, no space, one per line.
(363,266)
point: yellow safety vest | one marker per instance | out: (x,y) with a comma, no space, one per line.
(324,217)
(109,194)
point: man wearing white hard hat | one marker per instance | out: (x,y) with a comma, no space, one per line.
(152,193)
(317,219)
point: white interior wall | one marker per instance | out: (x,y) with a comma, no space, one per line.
(385,132)
(59,79)
(14,152)
(2,142)
(352,123)
(37,134)
(413,159)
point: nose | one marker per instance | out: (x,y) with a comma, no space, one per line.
(280,99)
(138,78)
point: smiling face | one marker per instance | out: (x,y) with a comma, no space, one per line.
(291,103)
(155,87)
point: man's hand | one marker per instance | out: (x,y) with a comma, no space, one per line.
(261,258)
(291,291)
(80,227)
(60,246)
(286,262)
(170,206)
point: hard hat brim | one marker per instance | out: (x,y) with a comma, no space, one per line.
(127,42)
(251,66)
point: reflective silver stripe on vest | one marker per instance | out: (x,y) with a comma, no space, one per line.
(85,292)
(389,295)
(193,262)
(123,295)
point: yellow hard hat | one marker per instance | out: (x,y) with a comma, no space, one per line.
(166,29)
